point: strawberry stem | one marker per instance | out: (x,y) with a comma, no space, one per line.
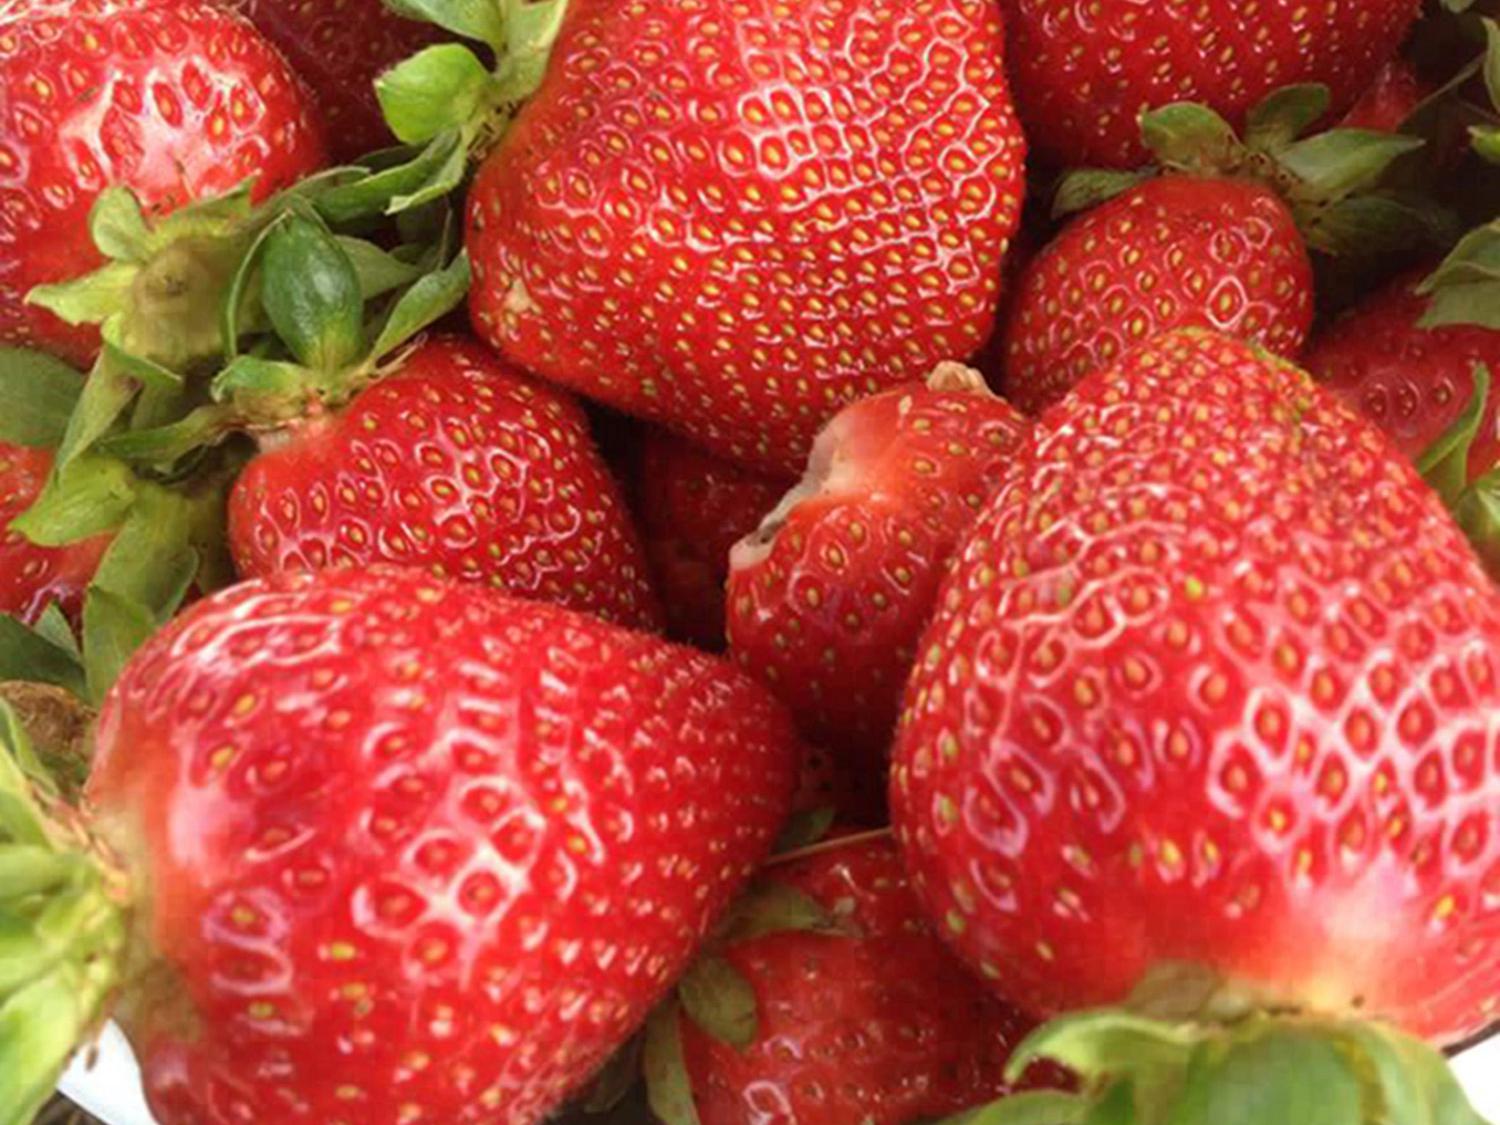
(63,929)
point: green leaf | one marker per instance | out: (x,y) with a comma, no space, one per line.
(443,178)
(1476,258)
(1492,60)
(162,446)
(39,1026)
(1105,1041)
(717,997)
(444,87)
(804,828)
(1283,1075)
(1478,513)
(1089,187)
(428,300)
(88,496)
(1340,162)
(118,226)
(151,561)
(131,363)
(374,193)
(53,626)
(20,820)
(91,299)
(472,19)
(25,654)
(1375,224)
(240,310)
(773,908)
(1473,303)
(531,28)
(1285,115)
(37,396)
(378,272)
(1445,463)
(266,386)
(311,294)
(1486,141)
(113,628)
(1039,1107)
(27,870)
(668,1088)
(1189,137)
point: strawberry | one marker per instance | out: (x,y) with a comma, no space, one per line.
(693,508)
(829,597)
(1084,74)
(796,1016)
(33,577)
(402,849)
(456,464)
(734,219)
(1389,100)
(338,47)
(174,99)
(1178,251)
(1411,381)
(1208,707)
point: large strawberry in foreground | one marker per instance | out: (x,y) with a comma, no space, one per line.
(1210,704)
(403,850)
(177,100)
(1084,73)
(732,219)
(454,463)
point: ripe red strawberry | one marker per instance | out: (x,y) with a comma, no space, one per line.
(1389,100)
(1215,683)
(174,99)
(457,465)
(32,577)
(406,850)
(1172,252)
(734,219)
(835,1035)
(693,508)
(1412,382)
(828,599)
(1083,74)
(338,47)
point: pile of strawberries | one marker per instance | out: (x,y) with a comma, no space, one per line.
(751,562)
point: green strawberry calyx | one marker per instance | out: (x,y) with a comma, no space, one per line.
(1475,504)
(1186,1049)
(64,928)
(447,104)
(1333,181)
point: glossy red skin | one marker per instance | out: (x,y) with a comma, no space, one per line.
(1412,382)
(458,465)
(1214,681)
(32,577)
(1174,252)
(416,851)
(830,615)
(175,99)
(1389,100)
(733,217)
(886,1028)
(693,507)
(1083,72)
(339,48)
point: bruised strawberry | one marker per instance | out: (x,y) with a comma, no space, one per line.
(413,850)
(732,221)
(1084,73)
(175,99)
(456,464)
(1412,382)
(829,1000)
(1210,699)
(33,577)
(693,508)
(1173,252)
(828,598)
(338,47)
